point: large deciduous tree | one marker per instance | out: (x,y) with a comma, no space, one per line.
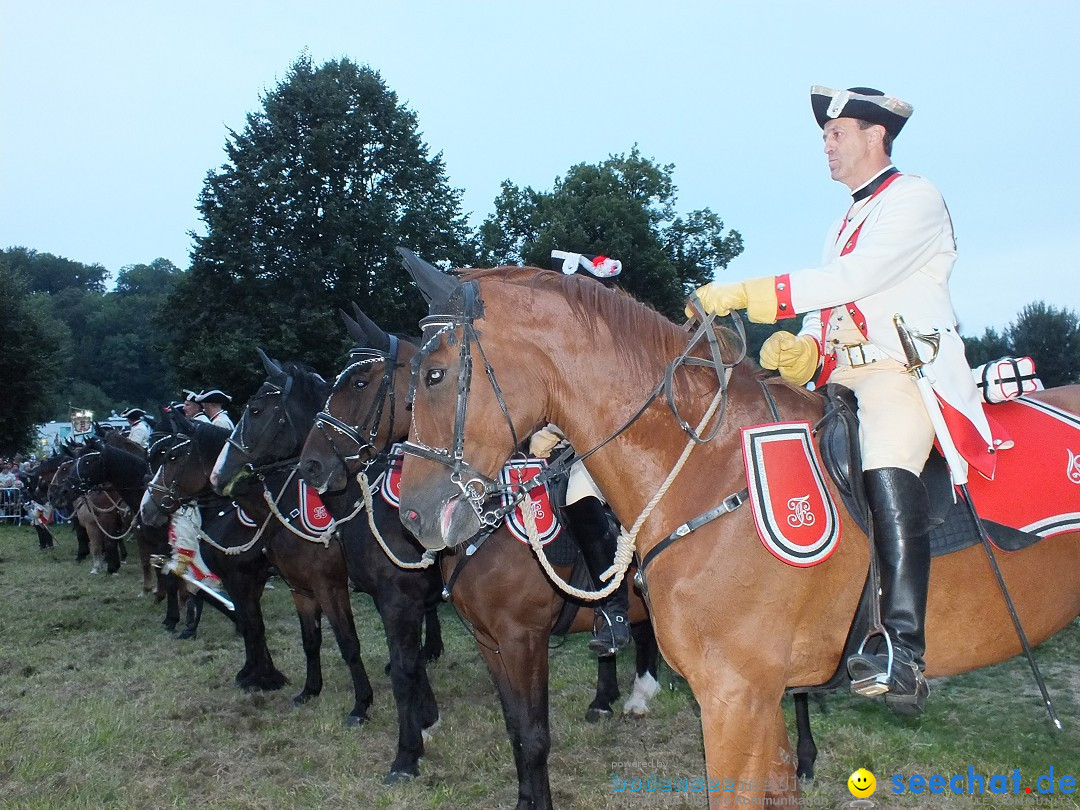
(623,208)
(29,351)
(1051,337)
(319,188)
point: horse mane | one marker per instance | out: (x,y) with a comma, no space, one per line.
(307,382)
(209,439)
(655,339)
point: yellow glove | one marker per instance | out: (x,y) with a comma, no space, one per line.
(757,296)
(796,358)
(543,442)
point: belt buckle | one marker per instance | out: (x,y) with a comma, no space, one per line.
(851,350)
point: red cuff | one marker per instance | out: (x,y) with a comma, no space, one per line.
(782,288)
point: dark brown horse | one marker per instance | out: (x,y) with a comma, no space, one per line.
(513,613)
(741,626)
(269,437)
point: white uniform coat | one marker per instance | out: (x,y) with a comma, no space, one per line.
(900,263)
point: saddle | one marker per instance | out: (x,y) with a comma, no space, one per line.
(952,527)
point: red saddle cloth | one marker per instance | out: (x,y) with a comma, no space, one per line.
(795,516)
(1036,486)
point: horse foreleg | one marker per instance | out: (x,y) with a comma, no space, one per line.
(607,689)
(310,616)
(647,661)
(433,643)
(747,752)
(334,600)
(408,676)
(520,672)
(246,590)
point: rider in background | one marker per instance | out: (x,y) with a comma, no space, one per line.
(891,253)
(192,409)
(213,403)
(138,428)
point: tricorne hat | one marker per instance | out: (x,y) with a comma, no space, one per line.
(864,103)
(214,395)
(133,413)
(191,396)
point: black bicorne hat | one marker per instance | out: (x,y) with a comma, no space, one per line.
(864,103)
(214,395)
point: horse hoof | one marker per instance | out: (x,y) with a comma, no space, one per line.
(398,777)
(594,715)
(354,720)
(301,699)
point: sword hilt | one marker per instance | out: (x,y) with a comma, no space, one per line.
(907,343)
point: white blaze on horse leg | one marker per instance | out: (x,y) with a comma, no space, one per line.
(646,688)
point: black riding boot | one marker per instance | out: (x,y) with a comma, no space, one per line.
(192,617)
(901,519)
(611,624)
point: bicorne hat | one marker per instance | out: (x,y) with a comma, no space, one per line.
(133,413)
(864,103)
(214,395)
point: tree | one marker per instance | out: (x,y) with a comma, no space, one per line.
(1051,337)
(29,350)
(623,208)
(46,273)
(990,346)
(320,187)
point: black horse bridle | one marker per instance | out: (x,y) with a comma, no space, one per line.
(237,438)
(170,501)
(479,488)
(364,434)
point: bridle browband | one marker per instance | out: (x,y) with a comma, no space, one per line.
(237,437)
(364,433)
(479,488)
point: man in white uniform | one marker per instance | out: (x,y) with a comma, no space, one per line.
(213,403)
(192,409)
(892,253)
(139,430)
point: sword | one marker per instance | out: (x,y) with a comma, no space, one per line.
(162,562)
(958,473)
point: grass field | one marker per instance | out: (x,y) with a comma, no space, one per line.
(100,708)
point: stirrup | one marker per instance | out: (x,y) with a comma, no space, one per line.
(607,638)
(874,685)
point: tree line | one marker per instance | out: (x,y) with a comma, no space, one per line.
(324,181)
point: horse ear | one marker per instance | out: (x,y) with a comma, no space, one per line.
(355,330)
(273,368)
(377,338)
(435,285)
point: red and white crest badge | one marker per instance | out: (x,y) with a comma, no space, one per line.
(314,516)
(518,471)
(390,481)
(794,514)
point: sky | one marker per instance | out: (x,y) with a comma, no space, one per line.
(111,114)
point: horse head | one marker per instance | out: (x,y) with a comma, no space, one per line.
(274,424)
(360,419)
(181,463)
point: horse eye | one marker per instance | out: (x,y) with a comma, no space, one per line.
(254,411)
(361,383)
(434,376)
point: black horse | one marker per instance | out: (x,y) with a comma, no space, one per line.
(268,437)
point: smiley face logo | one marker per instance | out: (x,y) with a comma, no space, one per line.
(862,784)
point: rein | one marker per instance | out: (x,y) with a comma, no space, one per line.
(479,488)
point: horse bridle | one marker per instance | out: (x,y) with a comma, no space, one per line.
(236,438)
(174,501)
(329,425)
(480,489)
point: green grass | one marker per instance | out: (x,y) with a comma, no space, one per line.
(100,708)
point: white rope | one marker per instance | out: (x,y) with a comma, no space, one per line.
(94,511)
(321,537)
(425,561)
(624,550)
(232,551)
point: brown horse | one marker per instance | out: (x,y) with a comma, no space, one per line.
(512,615)
(510,349)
